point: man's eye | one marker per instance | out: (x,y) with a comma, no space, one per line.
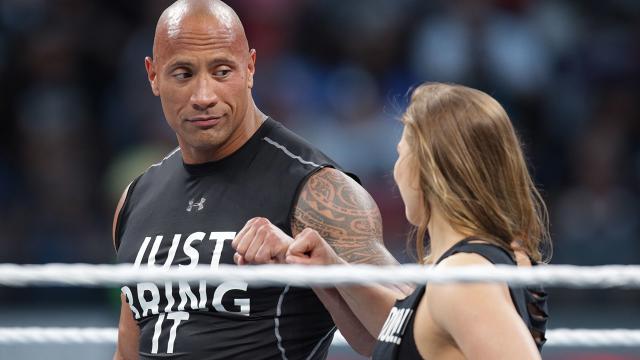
(182,75)
(222,73)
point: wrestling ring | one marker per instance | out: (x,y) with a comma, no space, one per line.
(85,275)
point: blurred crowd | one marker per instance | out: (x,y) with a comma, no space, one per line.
(80,122)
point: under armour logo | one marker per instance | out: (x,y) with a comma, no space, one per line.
(199,205)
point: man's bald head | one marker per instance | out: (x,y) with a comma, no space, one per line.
(214,15)
(202,70)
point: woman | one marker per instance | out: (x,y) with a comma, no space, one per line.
(464,182)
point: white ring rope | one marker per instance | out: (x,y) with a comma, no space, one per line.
(92,335)
(115,275)
(609,276)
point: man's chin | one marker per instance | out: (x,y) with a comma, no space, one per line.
(202,141)
(210,137)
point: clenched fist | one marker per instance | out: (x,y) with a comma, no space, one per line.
(260,242)
(309,248)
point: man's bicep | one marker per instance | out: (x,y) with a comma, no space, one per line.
(344,214)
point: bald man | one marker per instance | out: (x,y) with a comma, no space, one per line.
(232,164)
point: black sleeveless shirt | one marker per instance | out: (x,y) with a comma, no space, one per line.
(183,215)
(396,339)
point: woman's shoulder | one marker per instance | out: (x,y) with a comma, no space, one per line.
(464,259)
(477,249)
(456,299)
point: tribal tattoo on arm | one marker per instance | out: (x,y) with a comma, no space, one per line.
(345,215)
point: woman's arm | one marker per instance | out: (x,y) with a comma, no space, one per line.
(370,304)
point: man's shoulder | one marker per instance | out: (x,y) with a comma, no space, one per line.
(279,135)
(168,163)
(291,147)
(155,175)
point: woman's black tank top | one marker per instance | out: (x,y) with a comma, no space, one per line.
(396,339)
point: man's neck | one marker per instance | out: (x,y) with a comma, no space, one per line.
(243,133)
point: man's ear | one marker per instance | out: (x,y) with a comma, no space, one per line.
(251,67)
(152,75)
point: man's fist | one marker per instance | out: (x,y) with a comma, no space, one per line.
(260,242)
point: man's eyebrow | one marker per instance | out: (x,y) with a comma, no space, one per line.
(221,60)
(180,63)
(214,62)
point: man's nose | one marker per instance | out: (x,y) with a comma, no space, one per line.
(204,96)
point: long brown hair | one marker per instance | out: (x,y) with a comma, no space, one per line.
(471,166)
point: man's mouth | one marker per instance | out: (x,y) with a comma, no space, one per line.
(204,121)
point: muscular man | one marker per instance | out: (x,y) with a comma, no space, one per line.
(233,163)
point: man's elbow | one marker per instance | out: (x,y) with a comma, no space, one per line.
(117,356)
(126,349)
